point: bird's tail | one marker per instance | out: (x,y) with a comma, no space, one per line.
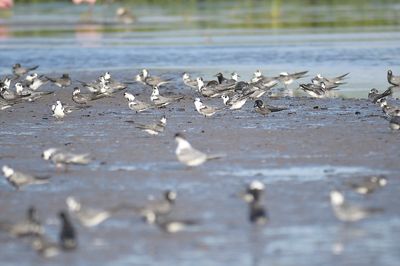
(215,156)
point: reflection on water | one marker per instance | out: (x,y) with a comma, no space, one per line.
(203,37)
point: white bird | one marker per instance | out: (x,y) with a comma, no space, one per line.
(347,212)
(188,155)
(58,110)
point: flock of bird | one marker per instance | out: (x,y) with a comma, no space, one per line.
(234,95)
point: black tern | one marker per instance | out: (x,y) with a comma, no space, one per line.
(62,82)
(257,212)
(18,179)
(347,212)
(368,184)
(264,109)
(19,70)
(374,94)
(203,109)
(155,128)
(392,79)
(188,155)
(67,235)
(31,226)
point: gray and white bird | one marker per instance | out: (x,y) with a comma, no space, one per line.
(192,83)
(89,217)
(318,91)
(62,82)
(34,81)
(329,81)
(159,207)
(394,122)
(137,105)
(19,70)
(374,94)
(235,101)
(389,110)
(188,155)
(347,212)
(29,94)
(162,101)
(288,78)
(18,179)
(4,104)
(61,158)
(155,128)
(368,184)
(80,98)
(145,78)
(203,109)
(31,226)
(392,79)
(262,81)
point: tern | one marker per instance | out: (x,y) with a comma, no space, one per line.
(188,155)
(154,129)
(18,179)
(347,212)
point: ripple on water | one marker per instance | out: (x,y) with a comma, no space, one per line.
(298,173)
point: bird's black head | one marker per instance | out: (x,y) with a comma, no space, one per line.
(179,135)
(258,103)
(17,65)
(65,76)
(390,73)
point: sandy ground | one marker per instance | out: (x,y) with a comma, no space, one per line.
(300,154)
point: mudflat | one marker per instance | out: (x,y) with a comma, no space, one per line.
(301,154)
